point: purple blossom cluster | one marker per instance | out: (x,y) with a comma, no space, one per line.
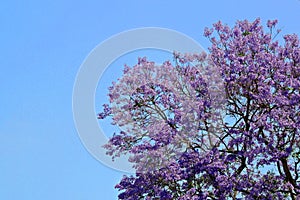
(219,126)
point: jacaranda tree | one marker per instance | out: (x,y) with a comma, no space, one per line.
(223,125)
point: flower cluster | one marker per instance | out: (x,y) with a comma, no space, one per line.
(163,110)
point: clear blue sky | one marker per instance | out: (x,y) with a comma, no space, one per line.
(43,44)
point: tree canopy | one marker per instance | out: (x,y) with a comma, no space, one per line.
(221,125)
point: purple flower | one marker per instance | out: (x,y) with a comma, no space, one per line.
(272,23)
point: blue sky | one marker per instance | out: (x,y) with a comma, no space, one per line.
(43,44)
